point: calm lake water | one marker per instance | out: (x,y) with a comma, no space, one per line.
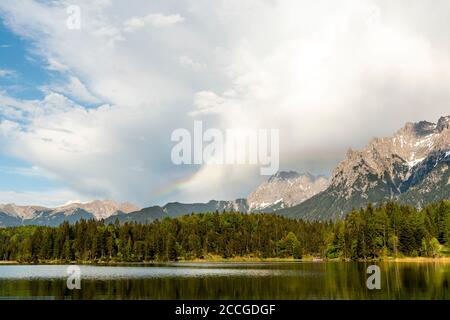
(332,280)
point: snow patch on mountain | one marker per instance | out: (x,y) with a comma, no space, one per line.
(285,189)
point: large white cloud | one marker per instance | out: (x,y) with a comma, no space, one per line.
(328,74)
(155,20)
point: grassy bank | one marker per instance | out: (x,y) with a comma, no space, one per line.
(8,262)
(417,259)
(218,259)
(443,257)
(111,262)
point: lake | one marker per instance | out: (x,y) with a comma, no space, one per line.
(304,280)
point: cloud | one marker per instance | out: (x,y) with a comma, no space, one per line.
(50,198)
(328,75)
(66,139)
(26,171)
(6,73)
(155,20)
(25,111)
(54,65)
(73,88)
(208,102)
(187,62)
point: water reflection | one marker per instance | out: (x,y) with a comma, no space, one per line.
(229,281)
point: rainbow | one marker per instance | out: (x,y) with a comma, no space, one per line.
(172,186)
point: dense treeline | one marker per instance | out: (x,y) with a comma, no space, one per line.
(186,237)
(390,229)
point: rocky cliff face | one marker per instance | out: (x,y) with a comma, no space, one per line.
(20,212)
(402,167)
(101,209)
(285,189)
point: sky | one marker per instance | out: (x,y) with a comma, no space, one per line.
(88,113)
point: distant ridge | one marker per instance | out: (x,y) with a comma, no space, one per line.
(16,215)
(283,189)
(411,167)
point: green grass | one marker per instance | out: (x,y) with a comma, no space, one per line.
(445,251)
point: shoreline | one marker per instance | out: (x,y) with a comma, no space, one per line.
(236,260)
(2,262)
(418,259)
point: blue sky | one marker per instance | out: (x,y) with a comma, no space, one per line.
(88,113)
(28,75)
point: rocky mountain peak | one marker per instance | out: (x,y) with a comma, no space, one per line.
(424,128)
(22,212)
(353,154)
(443,123)
(417,129)
(284,175)
(98,209)
(101,209)
(284,189)
(408,166)
(391,159)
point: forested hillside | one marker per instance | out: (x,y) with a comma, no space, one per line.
(388,230)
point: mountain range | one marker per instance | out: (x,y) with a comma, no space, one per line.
(411,167)
(16,215)
(282,190)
